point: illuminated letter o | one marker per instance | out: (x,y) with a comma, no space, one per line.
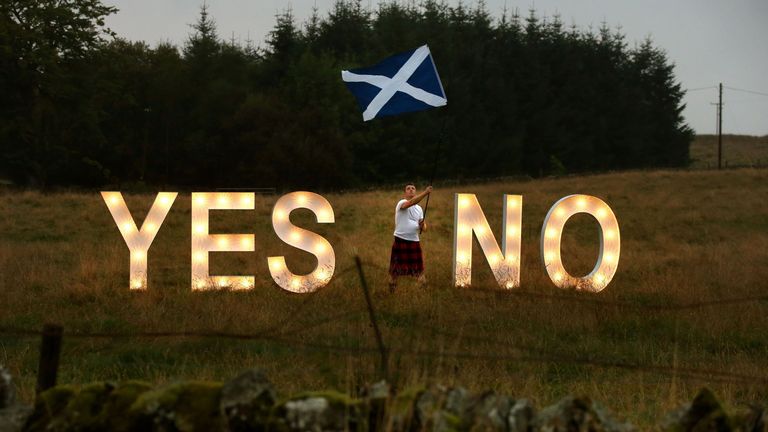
(610,242)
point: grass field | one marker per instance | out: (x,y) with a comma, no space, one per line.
(738,150)
(687,236)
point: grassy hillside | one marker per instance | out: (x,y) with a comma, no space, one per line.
(738,150)
(686,237)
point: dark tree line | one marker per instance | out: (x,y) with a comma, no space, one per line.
(526,95)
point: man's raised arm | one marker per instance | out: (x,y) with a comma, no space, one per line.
(415,200)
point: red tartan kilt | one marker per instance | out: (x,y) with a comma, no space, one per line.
(406,258)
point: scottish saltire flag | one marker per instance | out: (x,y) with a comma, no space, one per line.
(405,82)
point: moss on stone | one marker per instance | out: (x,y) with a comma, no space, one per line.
(115,408)
(48,405)
(186,406)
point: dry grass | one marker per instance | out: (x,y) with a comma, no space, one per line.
(686,236)
(738,150)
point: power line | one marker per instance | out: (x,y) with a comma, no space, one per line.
(747,91)
(700,88)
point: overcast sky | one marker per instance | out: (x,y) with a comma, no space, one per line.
(709,41)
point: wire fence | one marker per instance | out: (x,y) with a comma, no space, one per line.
(283,331)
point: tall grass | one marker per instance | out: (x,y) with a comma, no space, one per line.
(686,236)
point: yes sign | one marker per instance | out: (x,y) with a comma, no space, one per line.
(469,220)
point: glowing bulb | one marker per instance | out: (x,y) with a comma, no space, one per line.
(301,199)
(223,199)
(276,265)
(549,256)
(512,203)
(114,199)
(247,201)
(200,284)
(223,242)
(462,257)
(127,226)
(601,213)
(279,214)
(558,277)
(295,283)
(200,257)
(560,212)
(295,236)
(245,283)
(200,228)
(512,258)
(137,283)
(246,242)
(322,275)
(164,200)
(138,255)
(480,230)
(581,203)
(150,227)
(223,282)
(608,234)
(200,199)
(323,215)
(493,259)
(463,202)
(608,257)
(320,247)
(551,233)
(599,278)
(510,285)
(511,230)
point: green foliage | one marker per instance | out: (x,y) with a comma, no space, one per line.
(526,96)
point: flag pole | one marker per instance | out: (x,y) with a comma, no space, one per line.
(440,139)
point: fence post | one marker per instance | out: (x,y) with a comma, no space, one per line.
(50,351)
(372,315)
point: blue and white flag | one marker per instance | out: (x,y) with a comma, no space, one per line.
(405,82)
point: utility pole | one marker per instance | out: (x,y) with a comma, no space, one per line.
(720,127)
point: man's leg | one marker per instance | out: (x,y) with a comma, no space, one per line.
(392,283)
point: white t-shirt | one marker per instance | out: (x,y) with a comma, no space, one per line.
(407,221)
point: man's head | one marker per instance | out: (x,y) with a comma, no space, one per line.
(410,190)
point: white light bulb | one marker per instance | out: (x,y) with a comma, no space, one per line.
(295,235)
(511,230)
(223,282)
(601,213)
(246,242)
(320,247)
(463,202)
(295,283)
(200,228)
(223,199)
(551,233)
(223,242)
(608,234)
(480,230)
(114,199)
(127,226)
(164,200)
(200,256)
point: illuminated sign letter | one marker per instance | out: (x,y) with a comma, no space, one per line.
(610,242)
(304,240)
(138,241)
(468,219)
(203,243)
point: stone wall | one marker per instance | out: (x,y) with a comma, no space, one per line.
(250,403)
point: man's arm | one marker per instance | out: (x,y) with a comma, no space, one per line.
(415,200)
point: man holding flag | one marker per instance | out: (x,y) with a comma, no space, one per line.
(406,258)
(405,82)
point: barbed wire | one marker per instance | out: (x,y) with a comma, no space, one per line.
(279,333)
